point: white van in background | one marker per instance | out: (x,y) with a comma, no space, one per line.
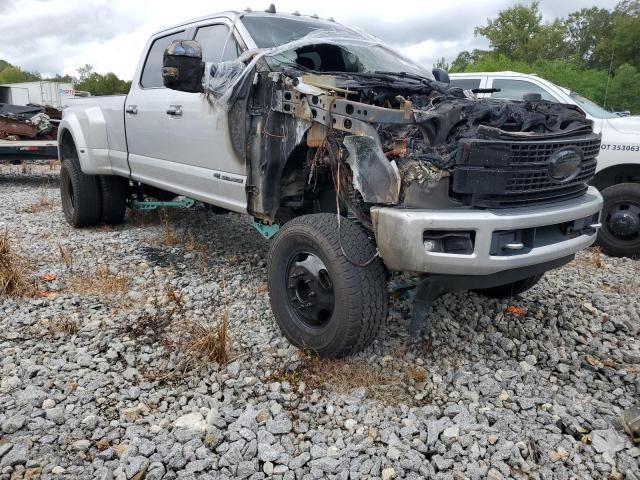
(618,172)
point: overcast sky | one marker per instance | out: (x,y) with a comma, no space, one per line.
(52,36)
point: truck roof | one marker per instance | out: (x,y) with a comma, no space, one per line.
(508,73)
(231,14)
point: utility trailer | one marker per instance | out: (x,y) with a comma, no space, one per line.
(11,151)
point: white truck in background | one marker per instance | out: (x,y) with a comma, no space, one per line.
(618,171)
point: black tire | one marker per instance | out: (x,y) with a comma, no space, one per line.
(80,195)
(616,239)
(359,292)
(510,289)
(114,192)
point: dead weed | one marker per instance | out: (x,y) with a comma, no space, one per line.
(45,201)
(342,376)
(189,344)
(101,281)
(15,279)
(66,254)
(62,326)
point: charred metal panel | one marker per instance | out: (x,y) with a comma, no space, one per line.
(374,176)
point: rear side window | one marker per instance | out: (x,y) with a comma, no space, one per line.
(466,83)
(516,89)
(152,71)
(217,45)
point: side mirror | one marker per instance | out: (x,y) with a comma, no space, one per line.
(441,75)
(182,66)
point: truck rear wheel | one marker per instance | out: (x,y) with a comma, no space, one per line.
(326,302)
(80,195)
(620,232)
(510,289)
(114,192)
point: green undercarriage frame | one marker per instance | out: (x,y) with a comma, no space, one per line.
(153,205)
(267,231)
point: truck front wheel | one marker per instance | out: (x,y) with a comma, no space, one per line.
(327,291)
(510,289)
(620,232)
(80,194)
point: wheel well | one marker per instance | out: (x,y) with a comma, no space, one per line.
(626,173)
(297,195)
(67,145)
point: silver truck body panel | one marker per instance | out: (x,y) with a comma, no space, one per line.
(97,127)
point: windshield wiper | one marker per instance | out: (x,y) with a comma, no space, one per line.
(413,76)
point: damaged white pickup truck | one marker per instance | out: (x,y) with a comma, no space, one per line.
(360,160)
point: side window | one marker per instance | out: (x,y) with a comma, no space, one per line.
(152,71)
(516,89)
(466,83)
(215,38)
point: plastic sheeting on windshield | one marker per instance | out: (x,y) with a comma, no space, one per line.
(225,81)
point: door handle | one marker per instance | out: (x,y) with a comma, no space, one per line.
(174,110)
(132,109)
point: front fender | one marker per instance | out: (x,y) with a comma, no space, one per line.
(88,129)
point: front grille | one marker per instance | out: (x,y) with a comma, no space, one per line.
(539,153)
(493,174)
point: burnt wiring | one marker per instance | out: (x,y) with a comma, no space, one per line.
(266,121)
(336,154)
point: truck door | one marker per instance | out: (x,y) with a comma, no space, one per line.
(146,118)
(469,83)
(515,89)
(199,132)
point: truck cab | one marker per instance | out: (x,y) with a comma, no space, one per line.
(618,170)
(357,161)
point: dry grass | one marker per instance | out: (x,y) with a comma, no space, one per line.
(342,376)
(45,201)
(66,254)
(202,260)
(62,326)
(15,279)
(209,341)
(190,242)
(596,258)
(188,343)
(169,235)
(99,282)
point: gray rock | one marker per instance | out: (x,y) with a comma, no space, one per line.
(136,465)
(246,469)
(279,426)
(299,461)
(155,471)
(56,415)
(4,448)
(103,473)
(269,453)
(81,445)
(10,383)
(327,464)
(13,423)
(17,455)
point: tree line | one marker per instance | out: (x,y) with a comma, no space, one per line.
(86,79)
(593,51)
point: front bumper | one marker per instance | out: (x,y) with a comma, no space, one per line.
(400,235)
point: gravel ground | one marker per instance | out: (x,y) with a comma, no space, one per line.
(102,375)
